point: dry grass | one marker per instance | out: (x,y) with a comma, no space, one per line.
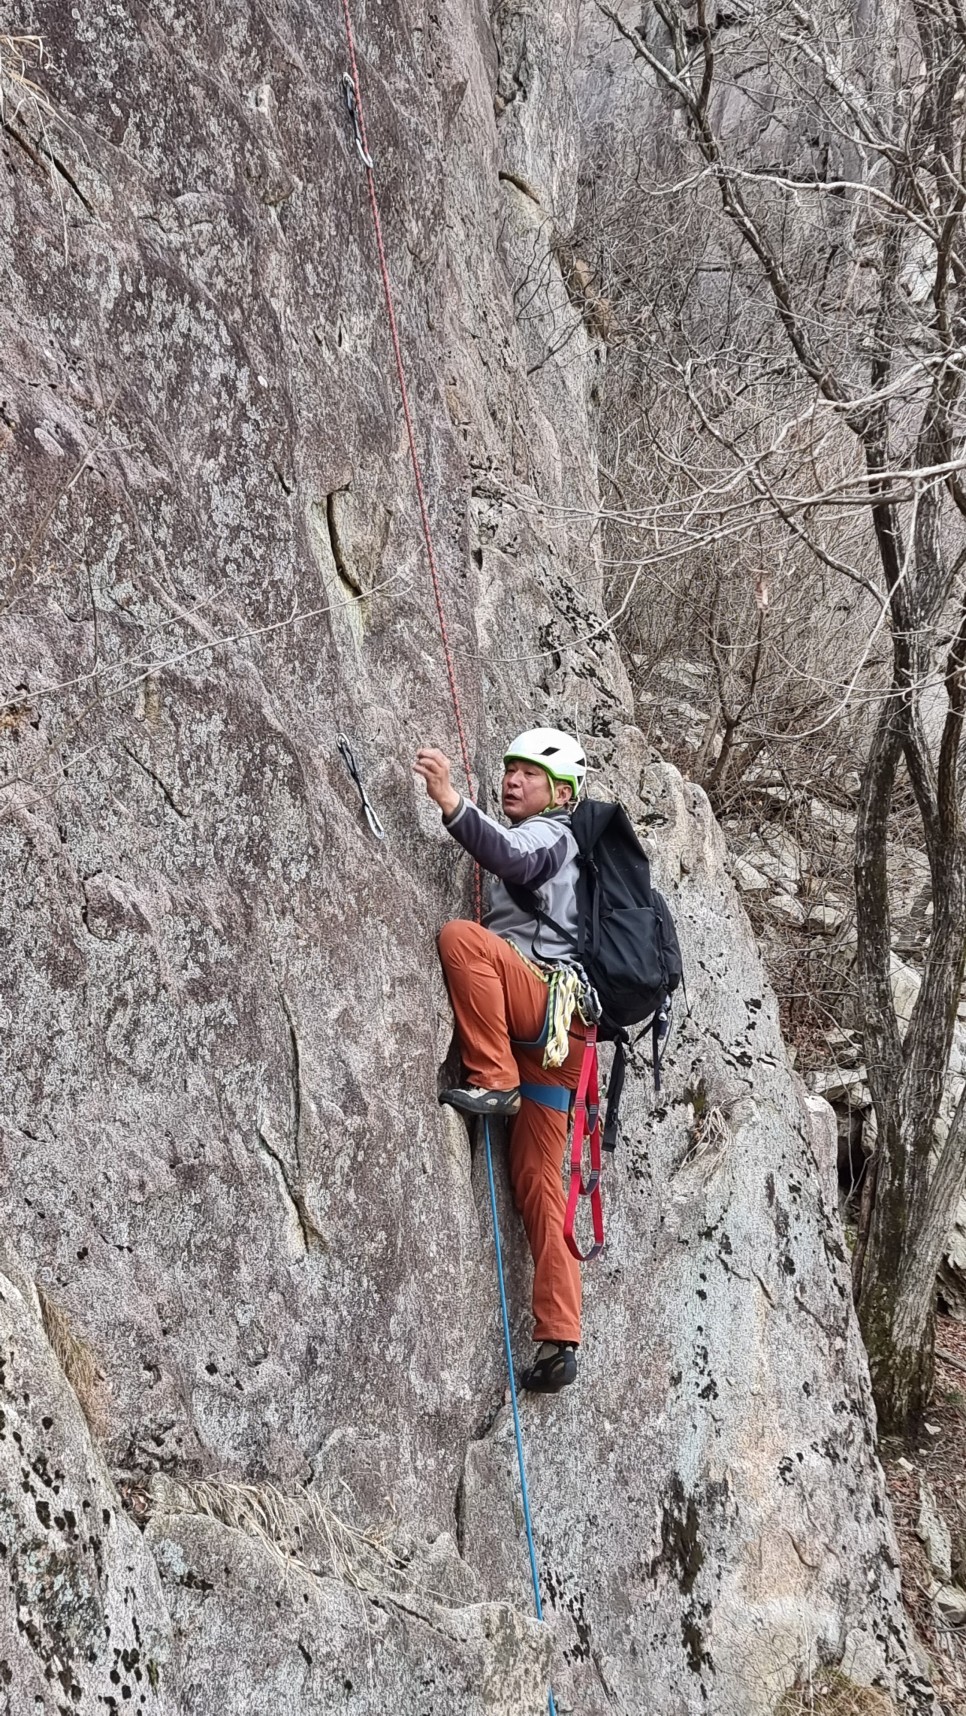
(715,1103)
(14,718)
(709,1134)
(77,1362)
(19,55)
(831,1693)
(302,1533)
(29,117)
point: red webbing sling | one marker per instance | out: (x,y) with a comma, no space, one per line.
(586,1127)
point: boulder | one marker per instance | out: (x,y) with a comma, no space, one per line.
(749,879)
(827,919)
(785,906)
(906,984)
(841,1084)
(949,1602)
(933,1532)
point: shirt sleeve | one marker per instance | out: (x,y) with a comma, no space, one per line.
(527,854)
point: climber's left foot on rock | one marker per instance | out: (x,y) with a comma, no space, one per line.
(555,1368)
(488,1103)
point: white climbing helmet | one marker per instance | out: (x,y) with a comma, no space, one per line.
(559,754)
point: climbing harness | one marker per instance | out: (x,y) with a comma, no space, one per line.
(586,1130)
(353,768)
(524,1493)
(568,992)
(586,1126)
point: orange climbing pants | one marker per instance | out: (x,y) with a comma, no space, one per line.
(496,998)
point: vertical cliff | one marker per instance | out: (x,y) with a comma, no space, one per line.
(264,1253)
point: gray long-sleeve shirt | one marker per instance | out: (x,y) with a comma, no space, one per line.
(539,854)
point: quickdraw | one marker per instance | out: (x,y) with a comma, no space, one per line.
(345,751)
(586,1127)
(352,106)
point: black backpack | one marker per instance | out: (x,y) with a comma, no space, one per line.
(626,940)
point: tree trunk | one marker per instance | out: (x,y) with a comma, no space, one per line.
(897,1293)
(898,1296)
(906,1236)
(897,1329)
(917,1183)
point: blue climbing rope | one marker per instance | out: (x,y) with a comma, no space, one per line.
(534,1575)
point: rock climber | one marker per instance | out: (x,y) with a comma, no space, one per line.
(517,997)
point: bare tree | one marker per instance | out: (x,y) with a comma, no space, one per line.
(830,166)
(785,646)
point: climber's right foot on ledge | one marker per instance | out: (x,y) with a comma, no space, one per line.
(555,1368)
(471,1100)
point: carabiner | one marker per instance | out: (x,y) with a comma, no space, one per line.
(352,106)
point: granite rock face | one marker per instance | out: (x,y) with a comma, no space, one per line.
(223,1022)
(84,1621)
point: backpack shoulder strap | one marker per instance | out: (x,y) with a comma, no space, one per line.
(527,901)
(589,819)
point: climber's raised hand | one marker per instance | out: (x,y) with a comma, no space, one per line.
(434,767)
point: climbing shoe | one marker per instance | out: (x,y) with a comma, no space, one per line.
(555,1368)
(471,1100)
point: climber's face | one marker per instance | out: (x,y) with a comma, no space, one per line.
(528,789)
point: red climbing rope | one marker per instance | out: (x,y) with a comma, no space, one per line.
(359,121)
